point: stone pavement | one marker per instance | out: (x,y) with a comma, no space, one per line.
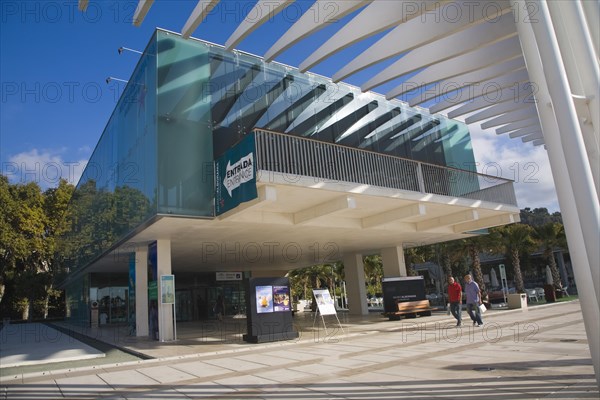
(43,343)
(538,353)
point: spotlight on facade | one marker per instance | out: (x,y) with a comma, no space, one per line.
(111,78)
(122,49)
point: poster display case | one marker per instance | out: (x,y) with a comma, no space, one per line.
(269,316)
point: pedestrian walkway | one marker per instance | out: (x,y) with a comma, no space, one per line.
(35,343)
(538,353)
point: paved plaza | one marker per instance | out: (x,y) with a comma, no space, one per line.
(539,353)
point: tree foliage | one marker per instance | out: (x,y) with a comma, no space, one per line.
(30,223)
(551,236)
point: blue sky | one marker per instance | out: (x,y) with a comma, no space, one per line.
(54,101)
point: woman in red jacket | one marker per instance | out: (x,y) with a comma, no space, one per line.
(455,299)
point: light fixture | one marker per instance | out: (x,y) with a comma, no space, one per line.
(122,49)
(111,78)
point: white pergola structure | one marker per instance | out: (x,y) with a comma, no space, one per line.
(528,69)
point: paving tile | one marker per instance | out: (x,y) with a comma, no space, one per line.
(284,375)
(83,386)
(235,364)
(266,359)
(126,379)
(201,369)
(166,374)
(294,354)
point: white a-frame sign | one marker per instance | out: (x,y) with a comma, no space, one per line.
(325,306)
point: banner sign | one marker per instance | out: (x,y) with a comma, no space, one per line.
(228,276)
(235,176)
(502,269)
(324,302)
(167,289)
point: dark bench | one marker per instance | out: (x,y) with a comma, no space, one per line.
(411,309)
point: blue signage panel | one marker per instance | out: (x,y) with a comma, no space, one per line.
(235,176)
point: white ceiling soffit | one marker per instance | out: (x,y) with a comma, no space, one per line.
(465,56)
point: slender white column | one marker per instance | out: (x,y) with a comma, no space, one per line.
(165,311)
(393,262)
(578,166)
(354,270)
(141,291)
(566,197)
(583,73)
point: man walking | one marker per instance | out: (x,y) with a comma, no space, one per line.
(455,299)
(473,294)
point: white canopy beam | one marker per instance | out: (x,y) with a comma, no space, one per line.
(518,125)
(524,132)
(140,12)
(488,90)
(463,42)
(421,31)
(478,59)
(377,17)
(494,97)
(470,79)
(261,13)
(309,23)
(197,16)
(513,116)
(501,108)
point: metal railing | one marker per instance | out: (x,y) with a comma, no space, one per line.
(297,156)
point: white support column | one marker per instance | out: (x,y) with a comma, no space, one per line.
(165,311)
(393,262)
(584,275)
(578,165)
(583,73)
(355,284)
(141,291)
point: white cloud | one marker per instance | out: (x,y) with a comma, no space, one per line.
(46,167)
(524,163)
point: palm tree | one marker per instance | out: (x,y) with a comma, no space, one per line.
(516,239)
(416,255)
(551,236)
(373,272)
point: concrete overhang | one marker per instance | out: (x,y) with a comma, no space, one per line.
(303,221)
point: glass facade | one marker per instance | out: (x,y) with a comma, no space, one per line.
(189,101)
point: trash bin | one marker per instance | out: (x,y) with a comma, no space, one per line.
(517,300)
(549,293)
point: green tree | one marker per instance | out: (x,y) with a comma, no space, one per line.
(473,248)
(373,273)
(58,218)
(8,240)
(417,255)
(539,216)
(515,240)
(31,248)
(551,236)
